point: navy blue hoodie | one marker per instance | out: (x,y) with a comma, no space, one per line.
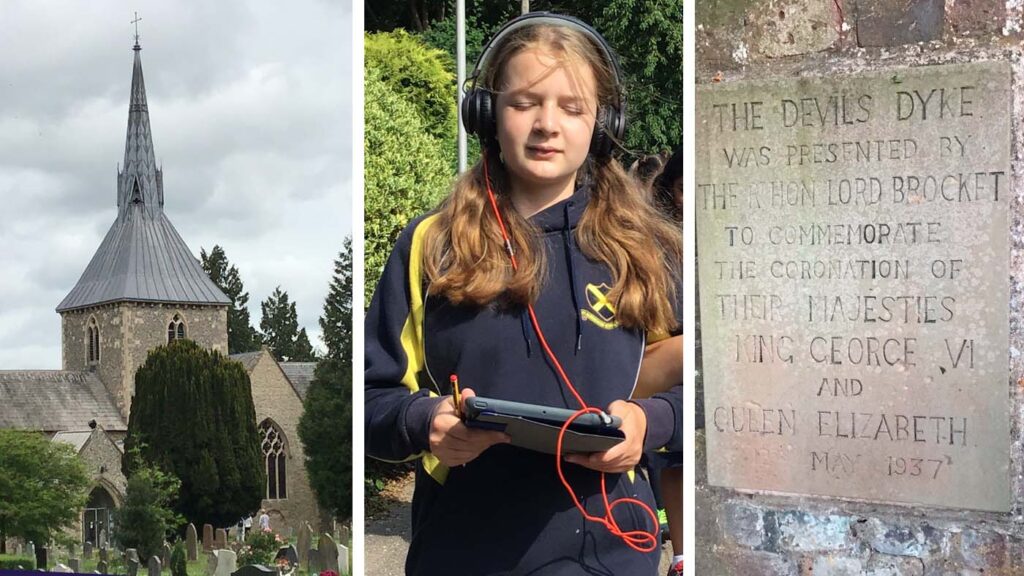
(506,512)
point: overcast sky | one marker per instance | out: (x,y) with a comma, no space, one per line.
(250,108)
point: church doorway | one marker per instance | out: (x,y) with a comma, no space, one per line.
(96,517)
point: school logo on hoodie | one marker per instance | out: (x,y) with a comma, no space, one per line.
(601,311)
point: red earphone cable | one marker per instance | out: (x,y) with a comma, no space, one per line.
(639,540)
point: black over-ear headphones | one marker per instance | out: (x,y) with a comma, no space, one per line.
(478,103)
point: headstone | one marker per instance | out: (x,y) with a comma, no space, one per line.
(102,567)
(220,541)
(191,543)
(313,564)
(131,562)
(304,543)
(104,554)
(342,559)
(344,534)
(87,550)
(165,558)
(18,550)
(207,537)
(226,563)
(854,284)
(211,563)
(327,552)
(288,553)
(155,566)
(255,570)
(71,549)
(75,564)
(42,557)
(62,569)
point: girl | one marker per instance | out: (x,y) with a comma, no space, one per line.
(582,283)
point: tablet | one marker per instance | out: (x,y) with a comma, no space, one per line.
(537,427)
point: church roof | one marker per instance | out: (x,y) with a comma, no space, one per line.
(300,374)
(55,400)
(76,439)
(248,359)
(142,258)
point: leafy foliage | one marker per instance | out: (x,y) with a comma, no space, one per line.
(260,548)
(147,516)
(280,326)
(336,321)
(193,416)
(242,337)
(326,435)
(179,563)
(43,486)
(405,172)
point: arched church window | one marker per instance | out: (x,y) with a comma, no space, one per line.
(93,342)
(176,329)
(275,452)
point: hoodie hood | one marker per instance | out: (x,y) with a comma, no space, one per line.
(565,214)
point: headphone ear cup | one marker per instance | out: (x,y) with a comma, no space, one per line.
(601,143)
(478,114)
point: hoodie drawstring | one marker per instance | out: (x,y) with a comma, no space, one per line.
(567,240)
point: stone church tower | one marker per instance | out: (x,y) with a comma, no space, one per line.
(143,287)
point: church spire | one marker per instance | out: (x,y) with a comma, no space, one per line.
(140,183)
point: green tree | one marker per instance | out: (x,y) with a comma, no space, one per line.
(242,337)
(336,322)
(147,517)
(326,436)
(193,417)
(43,486)
(280,327)
(405,172)
(648,37)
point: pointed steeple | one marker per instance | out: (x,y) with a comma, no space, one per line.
(140,183)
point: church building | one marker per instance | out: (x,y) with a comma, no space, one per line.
(142,289)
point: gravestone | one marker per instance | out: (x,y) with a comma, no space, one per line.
(154,566)
(102,567)
(104,554)
(342,559)
(304,543)
(854,284)
(75,564)
(288,553)
(211,563)
(207,537)
(191,543)
(131,562)
(42,556)
(226,563)
(344,534)
(313,563)
(71,549)
(255,570)
(87,550)
(165,558)
(62,569)
(220,541)
(327,553)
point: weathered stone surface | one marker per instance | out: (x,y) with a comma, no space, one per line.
(75,564)
(226,563)
(87,551)
(744,524)
(880,565)
(327,551)
(983,550)
(343,567)
(977,17)
(918,541)
(797,183)
(220,539)
(154,566)
(792,27)
(837,566)
(803,532)
(896,22)
(207,537)
(304,543)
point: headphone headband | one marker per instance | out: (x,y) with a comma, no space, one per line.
(478,104)
(533,18)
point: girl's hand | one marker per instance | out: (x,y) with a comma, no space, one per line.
(452,441)
(625,455)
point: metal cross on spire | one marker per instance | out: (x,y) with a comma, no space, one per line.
(136,22)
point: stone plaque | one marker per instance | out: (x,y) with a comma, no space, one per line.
(853,242)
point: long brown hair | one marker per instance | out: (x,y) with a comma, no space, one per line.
(464,256)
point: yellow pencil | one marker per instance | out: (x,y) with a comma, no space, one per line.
(456,396)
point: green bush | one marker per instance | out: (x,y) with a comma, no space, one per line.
(405,170)
(420,75)
(260,548)
(179,564)
(146,518)
(11,562)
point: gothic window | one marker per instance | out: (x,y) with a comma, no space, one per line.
(274,455)
(175,329)
(92,342)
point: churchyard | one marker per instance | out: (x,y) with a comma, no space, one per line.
(206,552)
